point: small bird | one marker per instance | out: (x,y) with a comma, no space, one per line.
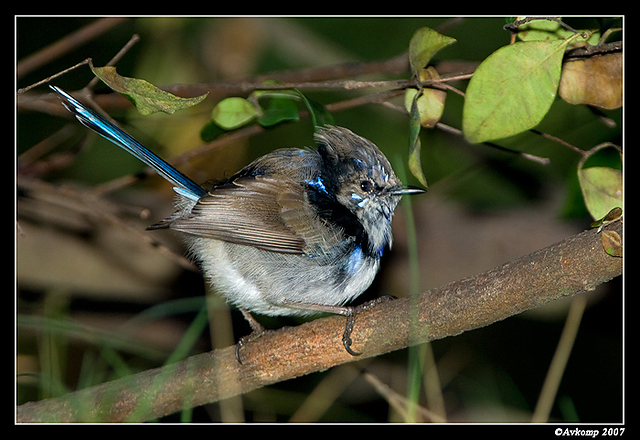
(296,232)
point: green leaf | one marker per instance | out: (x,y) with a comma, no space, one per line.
(321,116)
(211,131)
(279,109)
(601,189)
(424,44)
(512,89)
(415,164)
(145,96)
(601,185)
(318,113)
(233,112)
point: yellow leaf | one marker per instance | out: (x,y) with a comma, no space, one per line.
(147,98)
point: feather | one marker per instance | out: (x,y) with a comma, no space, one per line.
(249,211)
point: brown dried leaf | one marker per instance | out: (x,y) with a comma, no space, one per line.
(612,243)
(593,81)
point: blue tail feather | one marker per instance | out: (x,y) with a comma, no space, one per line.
(90,119)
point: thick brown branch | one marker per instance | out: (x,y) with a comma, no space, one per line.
(574,265)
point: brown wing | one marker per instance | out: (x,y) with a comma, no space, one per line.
(257,211)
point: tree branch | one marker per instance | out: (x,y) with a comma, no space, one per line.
(574,265)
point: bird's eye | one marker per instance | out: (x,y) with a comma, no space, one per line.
(365,185)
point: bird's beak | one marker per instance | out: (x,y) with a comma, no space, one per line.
(407,190)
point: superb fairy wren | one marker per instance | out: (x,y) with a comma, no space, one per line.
(295,233)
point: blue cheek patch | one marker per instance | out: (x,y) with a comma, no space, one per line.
(360,200)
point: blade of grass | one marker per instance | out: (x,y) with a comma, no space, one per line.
(559,361)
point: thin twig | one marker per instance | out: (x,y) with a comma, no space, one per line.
(112,62)
(514,25)
(65,45)
(559,141)
(55,75)
(88,204)
(532,157)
